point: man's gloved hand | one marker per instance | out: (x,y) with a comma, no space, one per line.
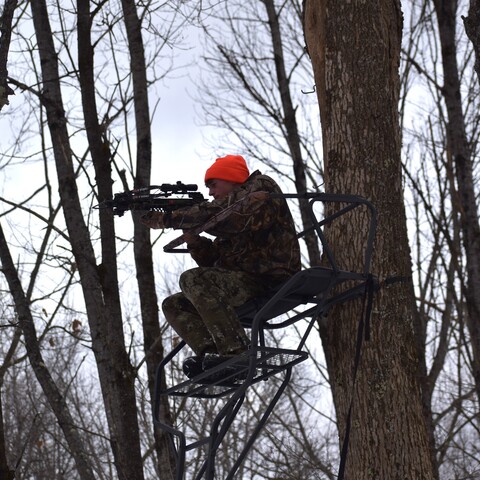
(153,220)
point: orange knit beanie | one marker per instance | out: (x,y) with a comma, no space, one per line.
(232,168)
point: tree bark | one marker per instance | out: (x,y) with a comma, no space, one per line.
(355,47)
(115,372)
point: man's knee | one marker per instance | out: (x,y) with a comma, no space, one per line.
(172,304)
(191,280)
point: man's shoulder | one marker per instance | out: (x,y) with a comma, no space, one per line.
(258,181)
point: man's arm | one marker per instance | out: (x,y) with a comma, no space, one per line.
(202,249)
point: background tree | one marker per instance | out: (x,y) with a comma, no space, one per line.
(56,399)
(438,207)
(102,303)
(93,264)
(462,166)
(6,19)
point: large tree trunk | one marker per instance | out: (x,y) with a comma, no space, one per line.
(354,47)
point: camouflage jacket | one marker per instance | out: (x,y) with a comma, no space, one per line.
(257,236)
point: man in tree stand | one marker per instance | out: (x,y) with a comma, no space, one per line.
(255,250)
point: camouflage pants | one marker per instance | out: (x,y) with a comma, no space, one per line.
(203,313)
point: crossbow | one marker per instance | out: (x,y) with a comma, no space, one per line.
(166,198)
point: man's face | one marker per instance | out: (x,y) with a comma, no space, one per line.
(219,189)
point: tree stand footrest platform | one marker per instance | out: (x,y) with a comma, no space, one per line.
(249,368)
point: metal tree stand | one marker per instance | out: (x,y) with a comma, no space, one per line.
(315,290)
